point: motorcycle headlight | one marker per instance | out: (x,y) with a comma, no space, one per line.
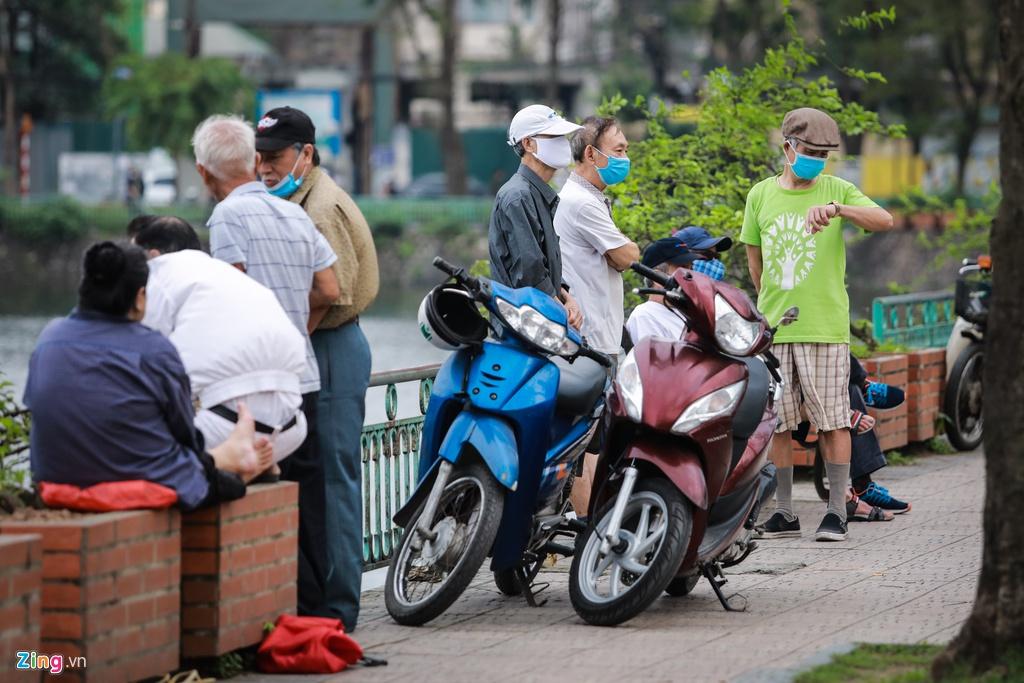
(631,386)
(533,326)
(720,402)
(732,332)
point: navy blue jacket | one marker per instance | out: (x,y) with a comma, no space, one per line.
(110,401)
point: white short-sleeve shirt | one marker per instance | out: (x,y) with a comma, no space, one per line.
(233,335)
(654,319)
(586,232)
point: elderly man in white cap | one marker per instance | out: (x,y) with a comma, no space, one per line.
(521,235)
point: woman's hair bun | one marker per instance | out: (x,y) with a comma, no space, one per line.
(104,262)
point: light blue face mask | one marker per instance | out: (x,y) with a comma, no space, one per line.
(616,170)
(806,167)
(288,185)
(713,268)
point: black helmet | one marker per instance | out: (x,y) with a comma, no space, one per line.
(449,319)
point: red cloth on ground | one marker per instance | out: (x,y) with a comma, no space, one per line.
(307,645)
(108,496)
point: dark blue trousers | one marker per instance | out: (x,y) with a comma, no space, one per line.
(344,359)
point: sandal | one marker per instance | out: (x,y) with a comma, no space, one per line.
(859,511)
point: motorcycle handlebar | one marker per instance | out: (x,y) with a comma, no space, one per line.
(662,279)
(460,274)
(600,358)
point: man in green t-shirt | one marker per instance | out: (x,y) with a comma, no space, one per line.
(797,257)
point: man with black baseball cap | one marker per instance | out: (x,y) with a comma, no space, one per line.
(797,257)
(289,165)
(654,318)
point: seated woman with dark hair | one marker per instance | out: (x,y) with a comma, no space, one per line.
(110,399)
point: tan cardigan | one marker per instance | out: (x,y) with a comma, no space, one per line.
(339,219)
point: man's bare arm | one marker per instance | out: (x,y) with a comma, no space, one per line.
(755,265)
(620,257)
(325,290)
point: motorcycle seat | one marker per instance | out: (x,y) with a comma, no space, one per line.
(580,383)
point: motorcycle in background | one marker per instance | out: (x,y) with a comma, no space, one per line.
(509,416)
(684,470)
(965,355)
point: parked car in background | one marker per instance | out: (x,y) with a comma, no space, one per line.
(433,185)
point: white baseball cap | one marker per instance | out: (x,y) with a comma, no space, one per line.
(538,119)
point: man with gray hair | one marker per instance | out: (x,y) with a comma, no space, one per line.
(275,243)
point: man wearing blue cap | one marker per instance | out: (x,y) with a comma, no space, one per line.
(706,248)
(654,318)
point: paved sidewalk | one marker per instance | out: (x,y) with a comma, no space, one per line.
(908,580)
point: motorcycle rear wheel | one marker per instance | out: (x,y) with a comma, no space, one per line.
(465,523)
(962,403)
(636,576)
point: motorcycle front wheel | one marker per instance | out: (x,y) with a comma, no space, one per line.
(426,576)
(963,399)
(606,590)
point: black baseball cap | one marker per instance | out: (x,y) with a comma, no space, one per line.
(668,250)
(282,127)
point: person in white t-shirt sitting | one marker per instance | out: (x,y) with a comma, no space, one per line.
(235,339)
(654,318)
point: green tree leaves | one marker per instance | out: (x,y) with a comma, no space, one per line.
(163,98)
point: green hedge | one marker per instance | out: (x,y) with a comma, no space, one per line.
(61,219)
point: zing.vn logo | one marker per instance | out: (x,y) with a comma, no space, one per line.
(32,660)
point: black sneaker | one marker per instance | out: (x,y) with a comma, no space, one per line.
(831,529)
(778,526)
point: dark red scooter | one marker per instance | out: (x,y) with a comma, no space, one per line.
(684,470)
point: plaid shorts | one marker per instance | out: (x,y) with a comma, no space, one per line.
(816,380)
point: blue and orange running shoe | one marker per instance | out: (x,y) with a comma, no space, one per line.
(879,496)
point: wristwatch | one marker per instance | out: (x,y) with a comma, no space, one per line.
(838,206)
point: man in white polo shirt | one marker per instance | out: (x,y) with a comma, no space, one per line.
(234,338)
(594,251)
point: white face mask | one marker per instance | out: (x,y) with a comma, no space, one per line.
(554,152)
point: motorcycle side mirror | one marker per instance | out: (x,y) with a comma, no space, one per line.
(790,316)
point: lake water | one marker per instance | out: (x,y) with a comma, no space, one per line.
(389,325)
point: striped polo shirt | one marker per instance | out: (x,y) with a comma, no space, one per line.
(280,248)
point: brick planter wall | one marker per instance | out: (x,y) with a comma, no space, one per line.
(239,569)
(111,591)
(21,580)
(926,373)
(890,425)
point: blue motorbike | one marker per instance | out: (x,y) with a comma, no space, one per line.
(511,411)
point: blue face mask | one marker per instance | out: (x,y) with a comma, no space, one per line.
(713,268)
(288,185)
(616,170)
(806,167)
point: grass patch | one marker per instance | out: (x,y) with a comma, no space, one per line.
(941,446)
(869,663)
(898,459)
(875,663)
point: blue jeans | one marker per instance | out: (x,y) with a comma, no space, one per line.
(343,356)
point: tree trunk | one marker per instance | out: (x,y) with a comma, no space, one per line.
(10,123)
(995,629)
(363,110)
(964,140)
(192,29)
(452,155)
(551,91)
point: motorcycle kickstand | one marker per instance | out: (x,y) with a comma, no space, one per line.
(525,582)
(716,585)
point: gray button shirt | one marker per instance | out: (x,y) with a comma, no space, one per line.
(521,236)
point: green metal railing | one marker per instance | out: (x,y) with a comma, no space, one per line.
(390,456)
(919,320)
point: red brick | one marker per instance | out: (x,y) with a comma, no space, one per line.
(199,562)
(143,523)
(18,551)
(197,618)
(197,591)
(62,565)
(167,605)
(62,595)
(66,625)
(200,536)
(14,615)
(263,497)
(103,620)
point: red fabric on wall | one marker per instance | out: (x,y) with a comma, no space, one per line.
(309,645)
(108,496)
